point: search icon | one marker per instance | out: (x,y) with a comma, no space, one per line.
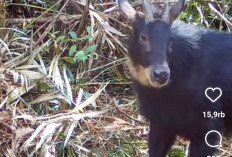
(220,138)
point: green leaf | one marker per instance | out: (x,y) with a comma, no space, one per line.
(60,38)
(68,59)
(58,50)
(88,95)
(84,38)
(80,56)
(183,16)
(90,49)
(55,33)
(43,86)
(72,50)
(89,30)
(70,75)
(73,34)
(177,152)
(69,40)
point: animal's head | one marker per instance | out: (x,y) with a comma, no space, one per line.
(151,42)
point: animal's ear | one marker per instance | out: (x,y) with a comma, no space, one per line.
(151,10)
(139,21)
(176,10)
(126,9)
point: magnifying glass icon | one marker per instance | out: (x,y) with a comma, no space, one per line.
(220,138)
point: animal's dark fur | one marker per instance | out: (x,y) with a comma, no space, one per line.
(199,59)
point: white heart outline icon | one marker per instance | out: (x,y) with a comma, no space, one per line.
(213,89)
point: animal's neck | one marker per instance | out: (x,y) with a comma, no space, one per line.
(186,53)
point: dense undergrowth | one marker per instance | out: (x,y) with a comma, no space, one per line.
(64,86)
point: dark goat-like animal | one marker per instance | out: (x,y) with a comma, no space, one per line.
(172,64)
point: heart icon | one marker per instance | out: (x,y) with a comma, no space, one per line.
(213,94)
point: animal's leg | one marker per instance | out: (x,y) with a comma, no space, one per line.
(160,140)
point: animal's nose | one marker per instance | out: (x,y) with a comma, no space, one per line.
(161,76)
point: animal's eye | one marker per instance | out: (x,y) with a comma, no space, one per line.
(143,37)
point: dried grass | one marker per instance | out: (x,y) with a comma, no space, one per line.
(80,125)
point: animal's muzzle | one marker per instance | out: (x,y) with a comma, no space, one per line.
(160,77)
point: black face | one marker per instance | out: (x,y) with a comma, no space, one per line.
(150,47)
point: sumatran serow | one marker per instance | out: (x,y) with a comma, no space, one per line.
(172,64)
